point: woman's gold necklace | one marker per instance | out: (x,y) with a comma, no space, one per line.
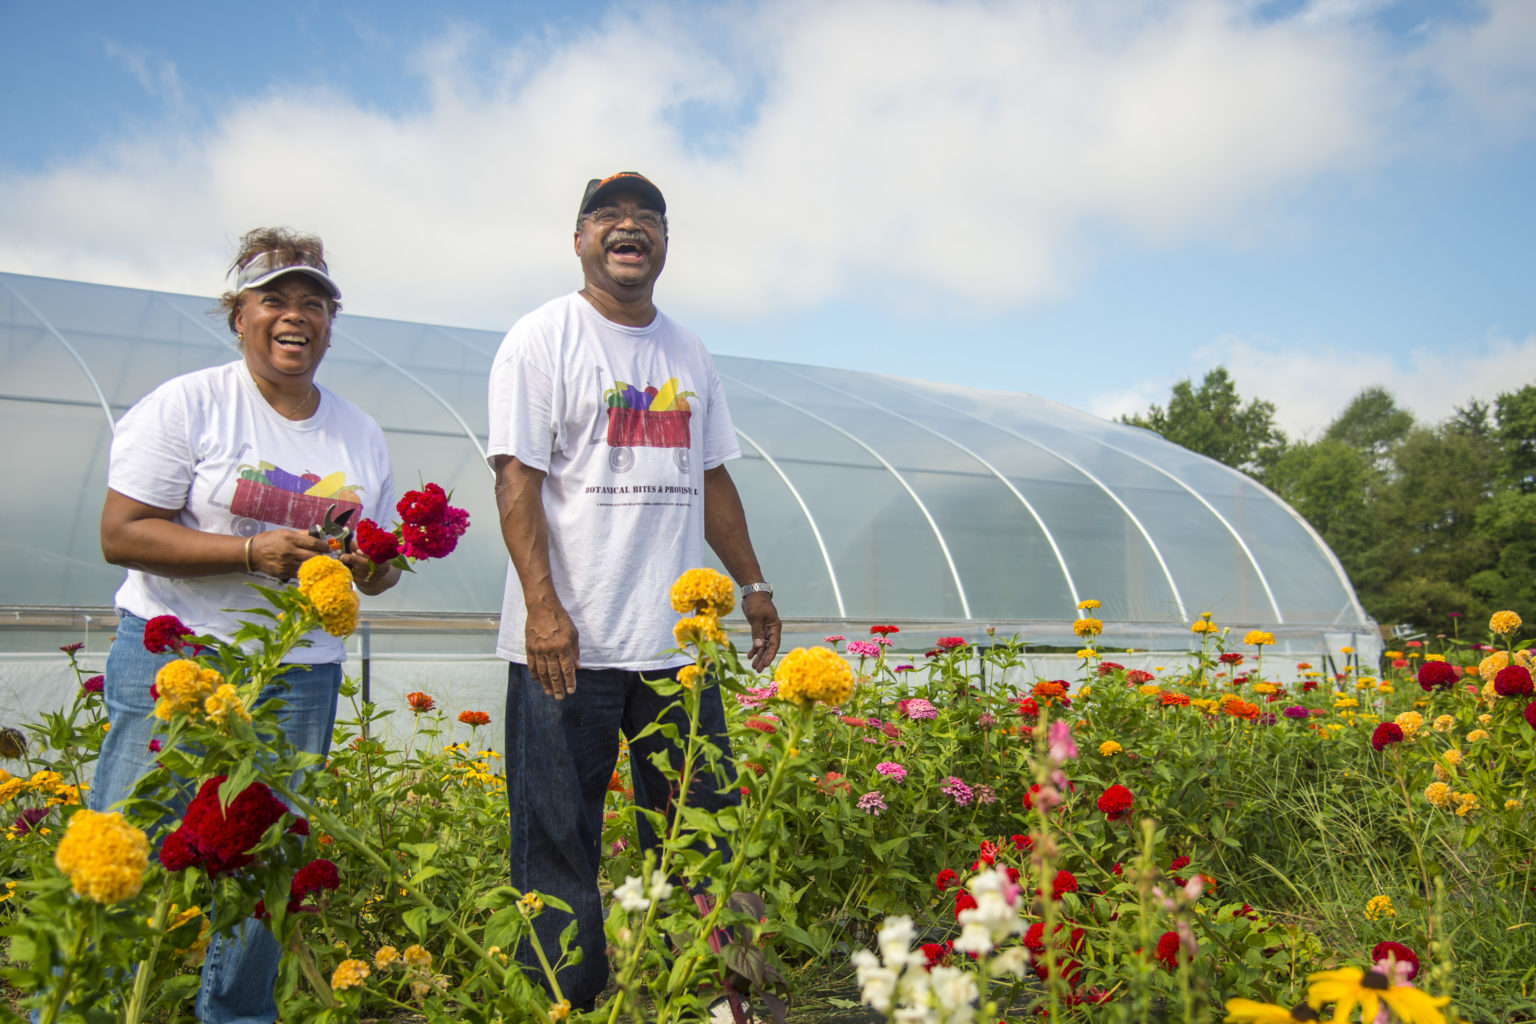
(291,413)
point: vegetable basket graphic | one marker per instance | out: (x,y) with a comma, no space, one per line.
(649,418)
(269,494)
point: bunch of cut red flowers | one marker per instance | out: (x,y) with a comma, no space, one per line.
(429,527)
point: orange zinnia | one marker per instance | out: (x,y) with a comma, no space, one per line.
(470,717)
(1240,709)
(616,784)
(1050,690)
(420,702)
(1178,699)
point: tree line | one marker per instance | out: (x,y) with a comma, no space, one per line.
(1435,524)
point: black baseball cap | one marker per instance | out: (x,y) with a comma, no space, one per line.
(599,189)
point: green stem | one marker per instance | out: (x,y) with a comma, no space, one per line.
(57,1004)
(135,1011)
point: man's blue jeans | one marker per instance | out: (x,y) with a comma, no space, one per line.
(560,757)
(240,969)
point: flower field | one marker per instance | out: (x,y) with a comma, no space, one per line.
(951,837)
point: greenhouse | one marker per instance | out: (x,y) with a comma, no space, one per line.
(872,499)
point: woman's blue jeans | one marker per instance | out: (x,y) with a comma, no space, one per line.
(560,758)
(240,969)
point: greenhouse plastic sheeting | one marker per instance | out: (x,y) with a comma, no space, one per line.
(870,498)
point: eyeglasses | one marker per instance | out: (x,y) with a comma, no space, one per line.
(608,216)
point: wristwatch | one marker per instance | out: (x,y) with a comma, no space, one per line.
(757,588)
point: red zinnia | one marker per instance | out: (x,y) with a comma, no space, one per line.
(474,718)
(1436,675)
(1513,681)
(949,643)
(164,633)
(884,630)
(378,544)
(1399,952)
(1138,676)
(1115,802)
(95,684)
(420,702)
(1231,658)
(1386,734)
(1110,667)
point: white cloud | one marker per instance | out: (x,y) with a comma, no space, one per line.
(1310,388)
(897,151)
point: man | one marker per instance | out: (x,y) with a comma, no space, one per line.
(609,436)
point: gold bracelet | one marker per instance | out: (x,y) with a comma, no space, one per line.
(248,553)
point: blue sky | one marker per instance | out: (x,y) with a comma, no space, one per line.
(1086,200)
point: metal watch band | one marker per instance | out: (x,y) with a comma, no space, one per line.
(758,588)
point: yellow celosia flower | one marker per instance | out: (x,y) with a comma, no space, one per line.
(1410,722)
(690,676)
(809,674)
(1512,804)
(703,591)
(559,1011)
(1088,627)
(1379,907)
(1438,793)
(1484,719)
(1258,638)
(1088,604)
(328,585)
(1109,748)
(1445,723)
(103,856)
(348,973)
(1466,803)
(384,956)
(696,629)
(183,685)
(1476,735)
(530,904)
(1492,665)
(1504,623)
(225,703)
(415,956)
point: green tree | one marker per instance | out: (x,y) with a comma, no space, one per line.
(1213,420)
(1516,431)
(1373,425)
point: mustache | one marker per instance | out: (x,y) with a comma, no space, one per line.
(624,236)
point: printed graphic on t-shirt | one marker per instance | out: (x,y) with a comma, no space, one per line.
(267,493)
(650,417)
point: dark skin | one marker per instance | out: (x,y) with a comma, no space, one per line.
(619,282)
(135,535)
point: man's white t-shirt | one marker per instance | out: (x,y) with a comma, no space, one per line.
(594,405)
(209,445)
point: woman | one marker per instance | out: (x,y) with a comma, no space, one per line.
(215,478)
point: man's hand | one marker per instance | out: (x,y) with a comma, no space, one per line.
(766,629)
(554,652)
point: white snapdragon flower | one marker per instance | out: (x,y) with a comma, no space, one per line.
(877,984)
(955,993)
(631,895)
(975,937)
(895,941)
(1014,961)
(660,887)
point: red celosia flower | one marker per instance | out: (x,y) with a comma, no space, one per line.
(154,746)
(949,643)
(1178,862)
(420,702)
(884,630)
(424,507)
(474,718)
(318,875)
(1513,681)
(1168,949)
(936,953)
(218,838)
(164,633)
(1386,734)
(1115,802)
(963,901)
(380,545)
(946,878)
(1401,953)
(1021,842)
(1118,870)
(1530,714)
(1436,675)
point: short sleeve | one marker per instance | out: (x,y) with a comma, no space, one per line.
(152,460)
(720,444)
(522,421)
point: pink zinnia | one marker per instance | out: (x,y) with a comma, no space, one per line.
(957,790)
(835,638)
(920,707)
(891,770)
(863,648)
(871,802)
(949,643)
